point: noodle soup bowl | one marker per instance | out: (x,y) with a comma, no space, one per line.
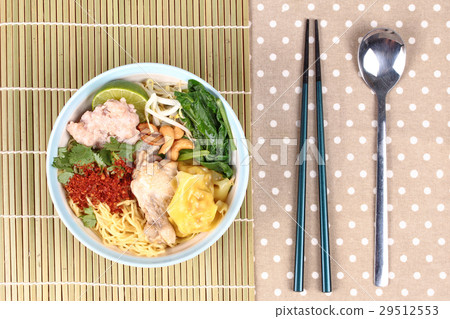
(79,103)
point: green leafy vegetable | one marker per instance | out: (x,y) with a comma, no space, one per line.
(81,155)
(89,219)
(205,116)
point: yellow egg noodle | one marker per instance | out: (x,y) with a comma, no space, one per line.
(125,230)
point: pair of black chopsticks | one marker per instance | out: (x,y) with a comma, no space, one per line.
(324,237)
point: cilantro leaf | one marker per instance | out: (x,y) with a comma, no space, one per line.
(113,145)
(123,150)
(65,177)
(89,219)
(62,161)
(81,155)
(103,157)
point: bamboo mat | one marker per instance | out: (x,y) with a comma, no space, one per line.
(50,48)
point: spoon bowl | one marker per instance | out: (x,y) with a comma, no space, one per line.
(381,60)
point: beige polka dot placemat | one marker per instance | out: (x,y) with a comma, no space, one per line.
(418,150)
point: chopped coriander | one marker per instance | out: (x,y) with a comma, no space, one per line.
(89,219)
(64,177)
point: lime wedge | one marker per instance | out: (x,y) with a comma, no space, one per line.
(117,89)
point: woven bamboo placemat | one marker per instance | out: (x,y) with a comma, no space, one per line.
(50,48)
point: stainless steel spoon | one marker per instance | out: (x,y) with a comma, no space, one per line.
(381,60)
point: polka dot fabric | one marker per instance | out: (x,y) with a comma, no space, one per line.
(418,150)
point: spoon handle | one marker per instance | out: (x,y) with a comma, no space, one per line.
(381,217)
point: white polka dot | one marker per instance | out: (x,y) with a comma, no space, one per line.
(264,275)
(273,123)
(412,107)
(277,292)
(348,90)
(285,7)
(311,39)
(276,258)
(336,7)
(260,40)
(335,40)
(311,106)
(427,190)
(402,224)
(363,173)
(298,23)
(378,291)
(401,156)
(386,7)
(428,224)
(401,191)
(262,174)
(426,157)
(260,73)
(349,123)
(315,275)
(287,174)
(290,275)
(442,275)
(298,90)
(338,173)
(365,275)
(273,23)
(412,73)
(285,73)
(425,90)
(311,6)
(351,190)
(361,106)
(297,123)
(399,24)
(436,40)
(426,123)
(416,241)
(263,208)
(362,140)
(298,56)
(340,275)
(337,140)
(374,123)
(403,258)
(276,225)
(336,106)
(399,90)
(391,275)
(373,24)
(275,191)
(365,241)
(351,224)
(430,292)
(272,56)
(264,242)
(288,208)
(338,208)
(411,7)
(260,107)
(436,7)
(414,173)
(339,241)
(413,140)
(388,140)
(353,292)
(416,275)
(260,7)
(348,56)
(439,140)
(437,74)
(350,157)
(323,23)
(441,241)
(314,242)
(285,40)
(429,258)
(313,208)
(405,292)
(412,40)
(440,207)
(400,123)
(424,57)
(424,24)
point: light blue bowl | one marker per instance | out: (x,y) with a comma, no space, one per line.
(78,104)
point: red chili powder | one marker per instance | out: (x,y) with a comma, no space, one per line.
(100,185)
